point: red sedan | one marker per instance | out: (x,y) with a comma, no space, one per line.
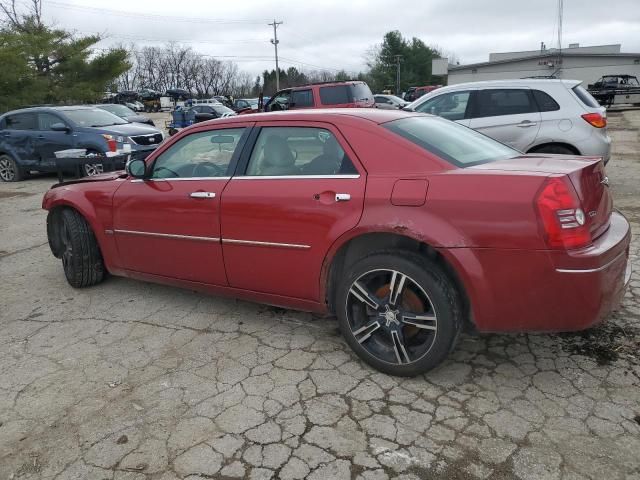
(407,227)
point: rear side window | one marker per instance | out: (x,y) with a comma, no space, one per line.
(335,95)
(585,97)
(493,103)
(545,102)
(22,121)
(458,145)
(301,98)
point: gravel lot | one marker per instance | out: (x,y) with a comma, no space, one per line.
(129,380)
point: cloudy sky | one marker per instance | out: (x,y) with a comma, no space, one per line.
(334,35)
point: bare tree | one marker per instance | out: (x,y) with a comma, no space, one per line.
(23,22)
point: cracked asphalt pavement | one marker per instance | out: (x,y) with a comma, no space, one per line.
(134,381)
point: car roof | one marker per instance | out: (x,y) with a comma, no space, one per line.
(62,108)
(374,115)
(516,82)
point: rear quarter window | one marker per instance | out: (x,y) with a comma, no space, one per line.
(335,95)
(545,102)
(585,97)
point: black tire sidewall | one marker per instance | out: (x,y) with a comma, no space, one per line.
(555,150)
(18,174)
(435,283)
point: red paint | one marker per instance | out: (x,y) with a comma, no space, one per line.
(483,220)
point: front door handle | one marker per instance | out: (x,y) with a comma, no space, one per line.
(202,195)
(343,197)
(526,123)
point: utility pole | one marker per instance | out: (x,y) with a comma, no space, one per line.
(275,42)
(398,58)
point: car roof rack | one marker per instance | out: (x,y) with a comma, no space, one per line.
(325,83)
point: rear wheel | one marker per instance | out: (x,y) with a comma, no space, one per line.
(557,149)
(399,312)
(81,257)
(9,170)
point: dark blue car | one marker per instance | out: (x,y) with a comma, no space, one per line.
(30,137)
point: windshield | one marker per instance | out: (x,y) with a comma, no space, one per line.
(119,110)
(93,118)
(450,141)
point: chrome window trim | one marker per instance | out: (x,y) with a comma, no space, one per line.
(591,270)
(166,235)
(266,244)
(139,180)
(286,177)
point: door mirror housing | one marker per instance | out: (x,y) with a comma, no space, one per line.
(136,168)
(60,127)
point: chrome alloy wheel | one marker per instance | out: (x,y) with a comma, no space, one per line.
(91,169)
(391,316)
(7,170)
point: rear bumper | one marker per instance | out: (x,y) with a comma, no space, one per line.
(543,291)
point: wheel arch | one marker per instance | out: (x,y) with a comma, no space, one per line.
(361,245)
(553,143)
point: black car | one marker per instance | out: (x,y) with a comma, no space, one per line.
(30,137)
(210,111)
(125,112)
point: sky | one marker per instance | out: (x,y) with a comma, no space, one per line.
(333,35)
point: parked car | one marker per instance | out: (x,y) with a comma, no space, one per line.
(541,116)
(126,113)
(305,210)
(319,95)
(245,104)
(413,93)
(389,102)
(211,111)
(30,137)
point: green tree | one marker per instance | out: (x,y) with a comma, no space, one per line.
(41,64)
(415,62)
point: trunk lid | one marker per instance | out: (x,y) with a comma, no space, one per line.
(587,175)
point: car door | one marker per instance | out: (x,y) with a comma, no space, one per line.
(48,141)
(295,193)
(19,136)
(509,115)
(169,224)
(453,106)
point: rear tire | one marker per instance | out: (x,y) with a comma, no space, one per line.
(9,169)
(81,258)
(555,149)
(408,336)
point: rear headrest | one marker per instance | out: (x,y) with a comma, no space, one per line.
(277,152)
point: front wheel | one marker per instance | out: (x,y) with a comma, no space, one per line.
(399,312)
(81,258)
(91,169)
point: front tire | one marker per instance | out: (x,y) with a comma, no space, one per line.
(81,257)
(399,312)
(91,169)
(9,169)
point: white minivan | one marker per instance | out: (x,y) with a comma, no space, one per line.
(530,115)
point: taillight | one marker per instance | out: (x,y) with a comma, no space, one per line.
(562,216)
(595,119)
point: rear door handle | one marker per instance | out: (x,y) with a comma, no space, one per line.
(202,195)
(343,197)
(526,123)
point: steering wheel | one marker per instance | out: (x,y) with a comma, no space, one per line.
(175,174)
(204,170)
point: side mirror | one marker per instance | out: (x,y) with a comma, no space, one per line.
(136,168)
(59,127)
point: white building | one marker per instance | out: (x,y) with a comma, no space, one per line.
(581,63)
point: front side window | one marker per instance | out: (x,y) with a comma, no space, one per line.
(451,106)
(498,102)
(450,141)
(202,154)
(22,121)
(302,98)
(286,151)
(382,100)
(45,120)
(280,101)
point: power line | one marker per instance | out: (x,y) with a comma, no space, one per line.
(155,17)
